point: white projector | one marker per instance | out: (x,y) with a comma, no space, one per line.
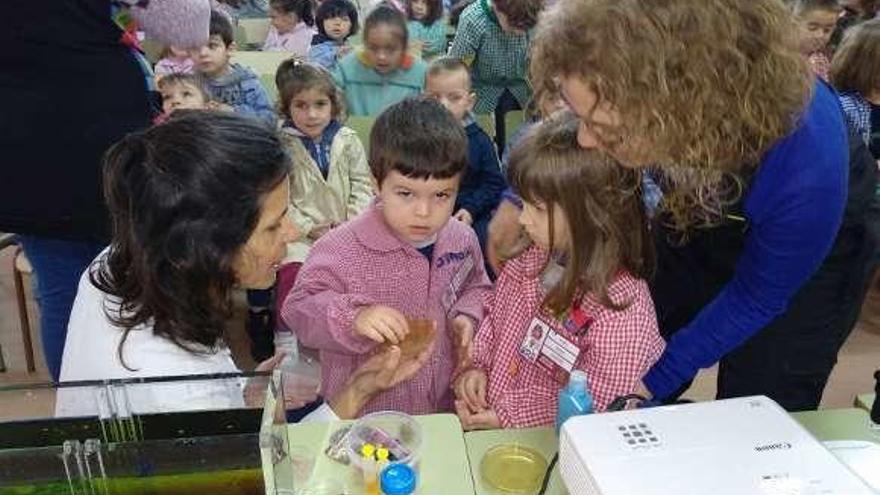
(747,446)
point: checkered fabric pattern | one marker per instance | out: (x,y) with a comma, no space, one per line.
(858,114)
(498,60)
(616,351)
(361,263)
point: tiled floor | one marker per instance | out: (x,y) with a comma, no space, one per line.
(853,374)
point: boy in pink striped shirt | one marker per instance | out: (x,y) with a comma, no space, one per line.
(402,259)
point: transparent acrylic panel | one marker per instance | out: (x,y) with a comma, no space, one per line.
(170,435)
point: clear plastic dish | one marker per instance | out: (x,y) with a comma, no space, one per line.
(400,433)
(513,469)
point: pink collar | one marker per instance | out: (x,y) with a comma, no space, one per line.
(372,231)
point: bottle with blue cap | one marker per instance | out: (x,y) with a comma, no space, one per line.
(398,479)
(575,399)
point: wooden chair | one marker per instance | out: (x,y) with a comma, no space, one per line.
(20,267)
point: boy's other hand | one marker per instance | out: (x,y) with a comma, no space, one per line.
(381,324)
(470,389)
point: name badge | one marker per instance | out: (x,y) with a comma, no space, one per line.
(549,350)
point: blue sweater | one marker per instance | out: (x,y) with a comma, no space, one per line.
(241,89)
(795,205)
(481,188)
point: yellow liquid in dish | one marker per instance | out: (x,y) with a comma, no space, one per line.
(513,469)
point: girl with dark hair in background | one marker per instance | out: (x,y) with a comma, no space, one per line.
(427,27)
(292,27)
(383,73)
(337,21)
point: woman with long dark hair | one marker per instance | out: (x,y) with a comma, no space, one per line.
(199,207)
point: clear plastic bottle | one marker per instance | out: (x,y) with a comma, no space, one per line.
(285,341)
(301,373)
(575,399)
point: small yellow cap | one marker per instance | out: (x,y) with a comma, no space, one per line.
(368,449)
(382,454)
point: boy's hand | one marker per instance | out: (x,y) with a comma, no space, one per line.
(470,389)
(483,420)
(221,107)
(381,323)
(463,332)
(464,216)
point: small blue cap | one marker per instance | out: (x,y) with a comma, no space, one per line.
(398,479)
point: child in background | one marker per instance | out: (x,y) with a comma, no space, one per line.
(383,72)
(292,27)
(368,5)
(226,8)
(544,105)
(401,259)
(330,181)
(855,73)
(337,21)
(817,20)
(493,39)
(183,91)
(427,27)
(580,286)
(245,9)
(854,12)
(231,85)
(174,61)
(449,82)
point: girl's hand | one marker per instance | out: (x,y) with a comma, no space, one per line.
(343,51)
(380,324)
(463,332)
(470,389)
(484,420)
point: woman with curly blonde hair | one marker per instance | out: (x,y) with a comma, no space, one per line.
(750,151)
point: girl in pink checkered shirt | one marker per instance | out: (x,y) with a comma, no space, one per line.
(575,299)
